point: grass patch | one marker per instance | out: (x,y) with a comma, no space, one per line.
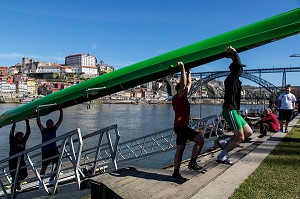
(278,176)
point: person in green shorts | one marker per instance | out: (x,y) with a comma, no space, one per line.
(231,107)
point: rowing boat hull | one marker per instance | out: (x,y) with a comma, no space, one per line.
(244,38)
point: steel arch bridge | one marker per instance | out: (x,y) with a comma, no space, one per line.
(265,84)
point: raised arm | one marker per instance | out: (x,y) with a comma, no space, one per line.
(183,82)
(60,118)
(28,131)
(189,80)
(236,66)
(38,120)
(12,132)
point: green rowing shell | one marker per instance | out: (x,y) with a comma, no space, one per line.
(244,38)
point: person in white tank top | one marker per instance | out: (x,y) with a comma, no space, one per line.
(286,108)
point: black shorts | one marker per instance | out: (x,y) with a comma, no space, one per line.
(285,114)
(183,134)
(48,154)
(22,171)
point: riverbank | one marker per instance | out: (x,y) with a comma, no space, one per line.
(153,101)
(145,101)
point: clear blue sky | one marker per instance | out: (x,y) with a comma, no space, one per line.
(123,32)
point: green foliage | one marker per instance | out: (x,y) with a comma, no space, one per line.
(278,175)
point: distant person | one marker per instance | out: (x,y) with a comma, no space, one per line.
(17,144)
(269,122)
(287,105)
(231,107)
(49,150)
(181,107)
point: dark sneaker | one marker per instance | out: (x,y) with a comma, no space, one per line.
(179,178)
(286,131)
(18,187)
(195,167)
(247,140)
(227,161)
(280,131)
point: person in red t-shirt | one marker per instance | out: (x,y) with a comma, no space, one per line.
(181,107)
(268,123)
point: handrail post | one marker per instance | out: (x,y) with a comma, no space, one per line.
(7,177)
(36,173)
(58,167)
(112,151)
(117,142)
(70,158)
(80,145)
(75,160)
(16,177)
(97,153)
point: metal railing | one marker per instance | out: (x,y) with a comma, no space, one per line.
(67,151)
(164,140)
(99,154)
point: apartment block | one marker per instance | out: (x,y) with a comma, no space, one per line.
(80,60)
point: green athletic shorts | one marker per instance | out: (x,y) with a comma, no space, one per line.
(234,119)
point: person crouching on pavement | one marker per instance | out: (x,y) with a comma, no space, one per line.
(269,122)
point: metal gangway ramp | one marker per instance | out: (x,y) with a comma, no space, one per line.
(82,157)
(68,149)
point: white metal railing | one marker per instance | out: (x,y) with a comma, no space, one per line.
(67,151)
(165,140)
(101,149)
(98,155)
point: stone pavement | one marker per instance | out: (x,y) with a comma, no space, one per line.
(223,186)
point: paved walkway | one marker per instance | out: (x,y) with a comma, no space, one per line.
(223,186)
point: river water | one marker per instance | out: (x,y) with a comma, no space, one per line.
(133,120)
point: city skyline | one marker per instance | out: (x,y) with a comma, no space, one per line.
(128,32)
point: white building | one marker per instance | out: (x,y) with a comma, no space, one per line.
(104,68)
(80,60)
(68,69)
(54,68)
(88,70)
(6,87)
(21,87)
